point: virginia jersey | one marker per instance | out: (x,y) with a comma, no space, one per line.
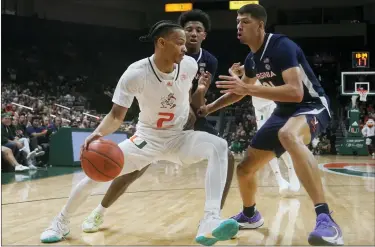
(277,54)
(164,99)
(206,62)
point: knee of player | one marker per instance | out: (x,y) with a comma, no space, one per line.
(245,167)
(287,135)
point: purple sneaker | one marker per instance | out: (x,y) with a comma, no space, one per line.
(326,232)
(249,223)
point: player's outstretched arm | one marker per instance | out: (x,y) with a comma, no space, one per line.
(228,98)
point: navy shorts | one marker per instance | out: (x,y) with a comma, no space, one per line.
(267,136)
(202,124)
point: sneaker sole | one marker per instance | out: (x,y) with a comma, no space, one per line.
(225,231)
(319,241)
(53,239)
(255,225)
(90,230)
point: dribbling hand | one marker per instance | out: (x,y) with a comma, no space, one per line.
(92,137)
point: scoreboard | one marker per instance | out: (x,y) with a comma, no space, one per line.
(360,59)
(210,5)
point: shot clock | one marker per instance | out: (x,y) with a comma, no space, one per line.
(360,59)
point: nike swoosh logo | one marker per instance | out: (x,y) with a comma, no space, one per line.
(334,238)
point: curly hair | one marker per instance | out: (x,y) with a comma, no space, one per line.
(195,15)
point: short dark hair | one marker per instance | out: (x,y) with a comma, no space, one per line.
(35,118)
(160,29)
(195,15)
(255,10)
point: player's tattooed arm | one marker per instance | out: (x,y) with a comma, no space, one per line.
(204,82)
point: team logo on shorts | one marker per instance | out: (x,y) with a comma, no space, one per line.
(169,101)
(314,124)
(366,170)
(139,142)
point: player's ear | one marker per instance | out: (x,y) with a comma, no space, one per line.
(261,25)
(161,42)
(204,35)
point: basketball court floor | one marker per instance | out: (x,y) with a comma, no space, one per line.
(164,207)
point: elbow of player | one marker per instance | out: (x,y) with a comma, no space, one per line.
(298,95)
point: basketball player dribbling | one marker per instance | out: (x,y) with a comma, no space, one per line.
(302,113)
(162,85)
(263,111)
(195,23)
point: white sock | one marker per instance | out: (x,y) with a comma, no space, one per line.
(274,163)
(78,195)
(100,209)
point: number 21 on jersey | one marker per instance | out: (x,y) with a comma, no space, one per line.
(268,84)
(163,118)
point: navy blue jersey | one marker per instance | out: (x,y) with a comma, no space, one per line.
(279,53)
(206,62)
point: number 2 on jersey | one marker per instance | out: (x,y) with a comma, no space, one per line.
(166,117)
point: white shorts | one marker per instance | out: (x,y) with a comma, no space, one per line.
(263,114)
(185,147)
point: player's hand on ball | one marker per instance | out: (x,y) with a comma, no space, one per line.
(92,137)
(236,69)
(232,84)
(205,80)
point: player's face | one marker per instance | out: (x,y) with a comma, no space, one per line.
(248,28)
(195,33)
(174,45)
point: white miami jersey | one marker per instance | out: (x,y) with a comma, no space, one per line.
(260,103)
(164,99)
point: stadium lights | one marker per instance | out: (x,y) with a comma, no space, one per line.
(178,7)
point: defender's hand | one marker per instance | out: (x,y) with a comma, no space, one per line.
(204,80)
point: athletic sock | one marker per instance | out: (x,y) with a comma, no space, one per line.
(249,211)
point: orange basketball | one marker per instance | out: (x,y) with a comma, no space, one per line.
(102,161)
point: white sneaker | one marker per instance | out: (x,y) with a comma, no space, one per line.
(21,168)
(56,231)
(92,222)
(213,229)
(31,155)
(32,167)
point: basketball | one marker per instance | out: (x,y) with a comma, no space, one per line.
(102,161)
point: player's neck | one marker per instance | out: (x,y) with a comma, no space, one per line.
(193,50)
(257,43)
(163,64)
